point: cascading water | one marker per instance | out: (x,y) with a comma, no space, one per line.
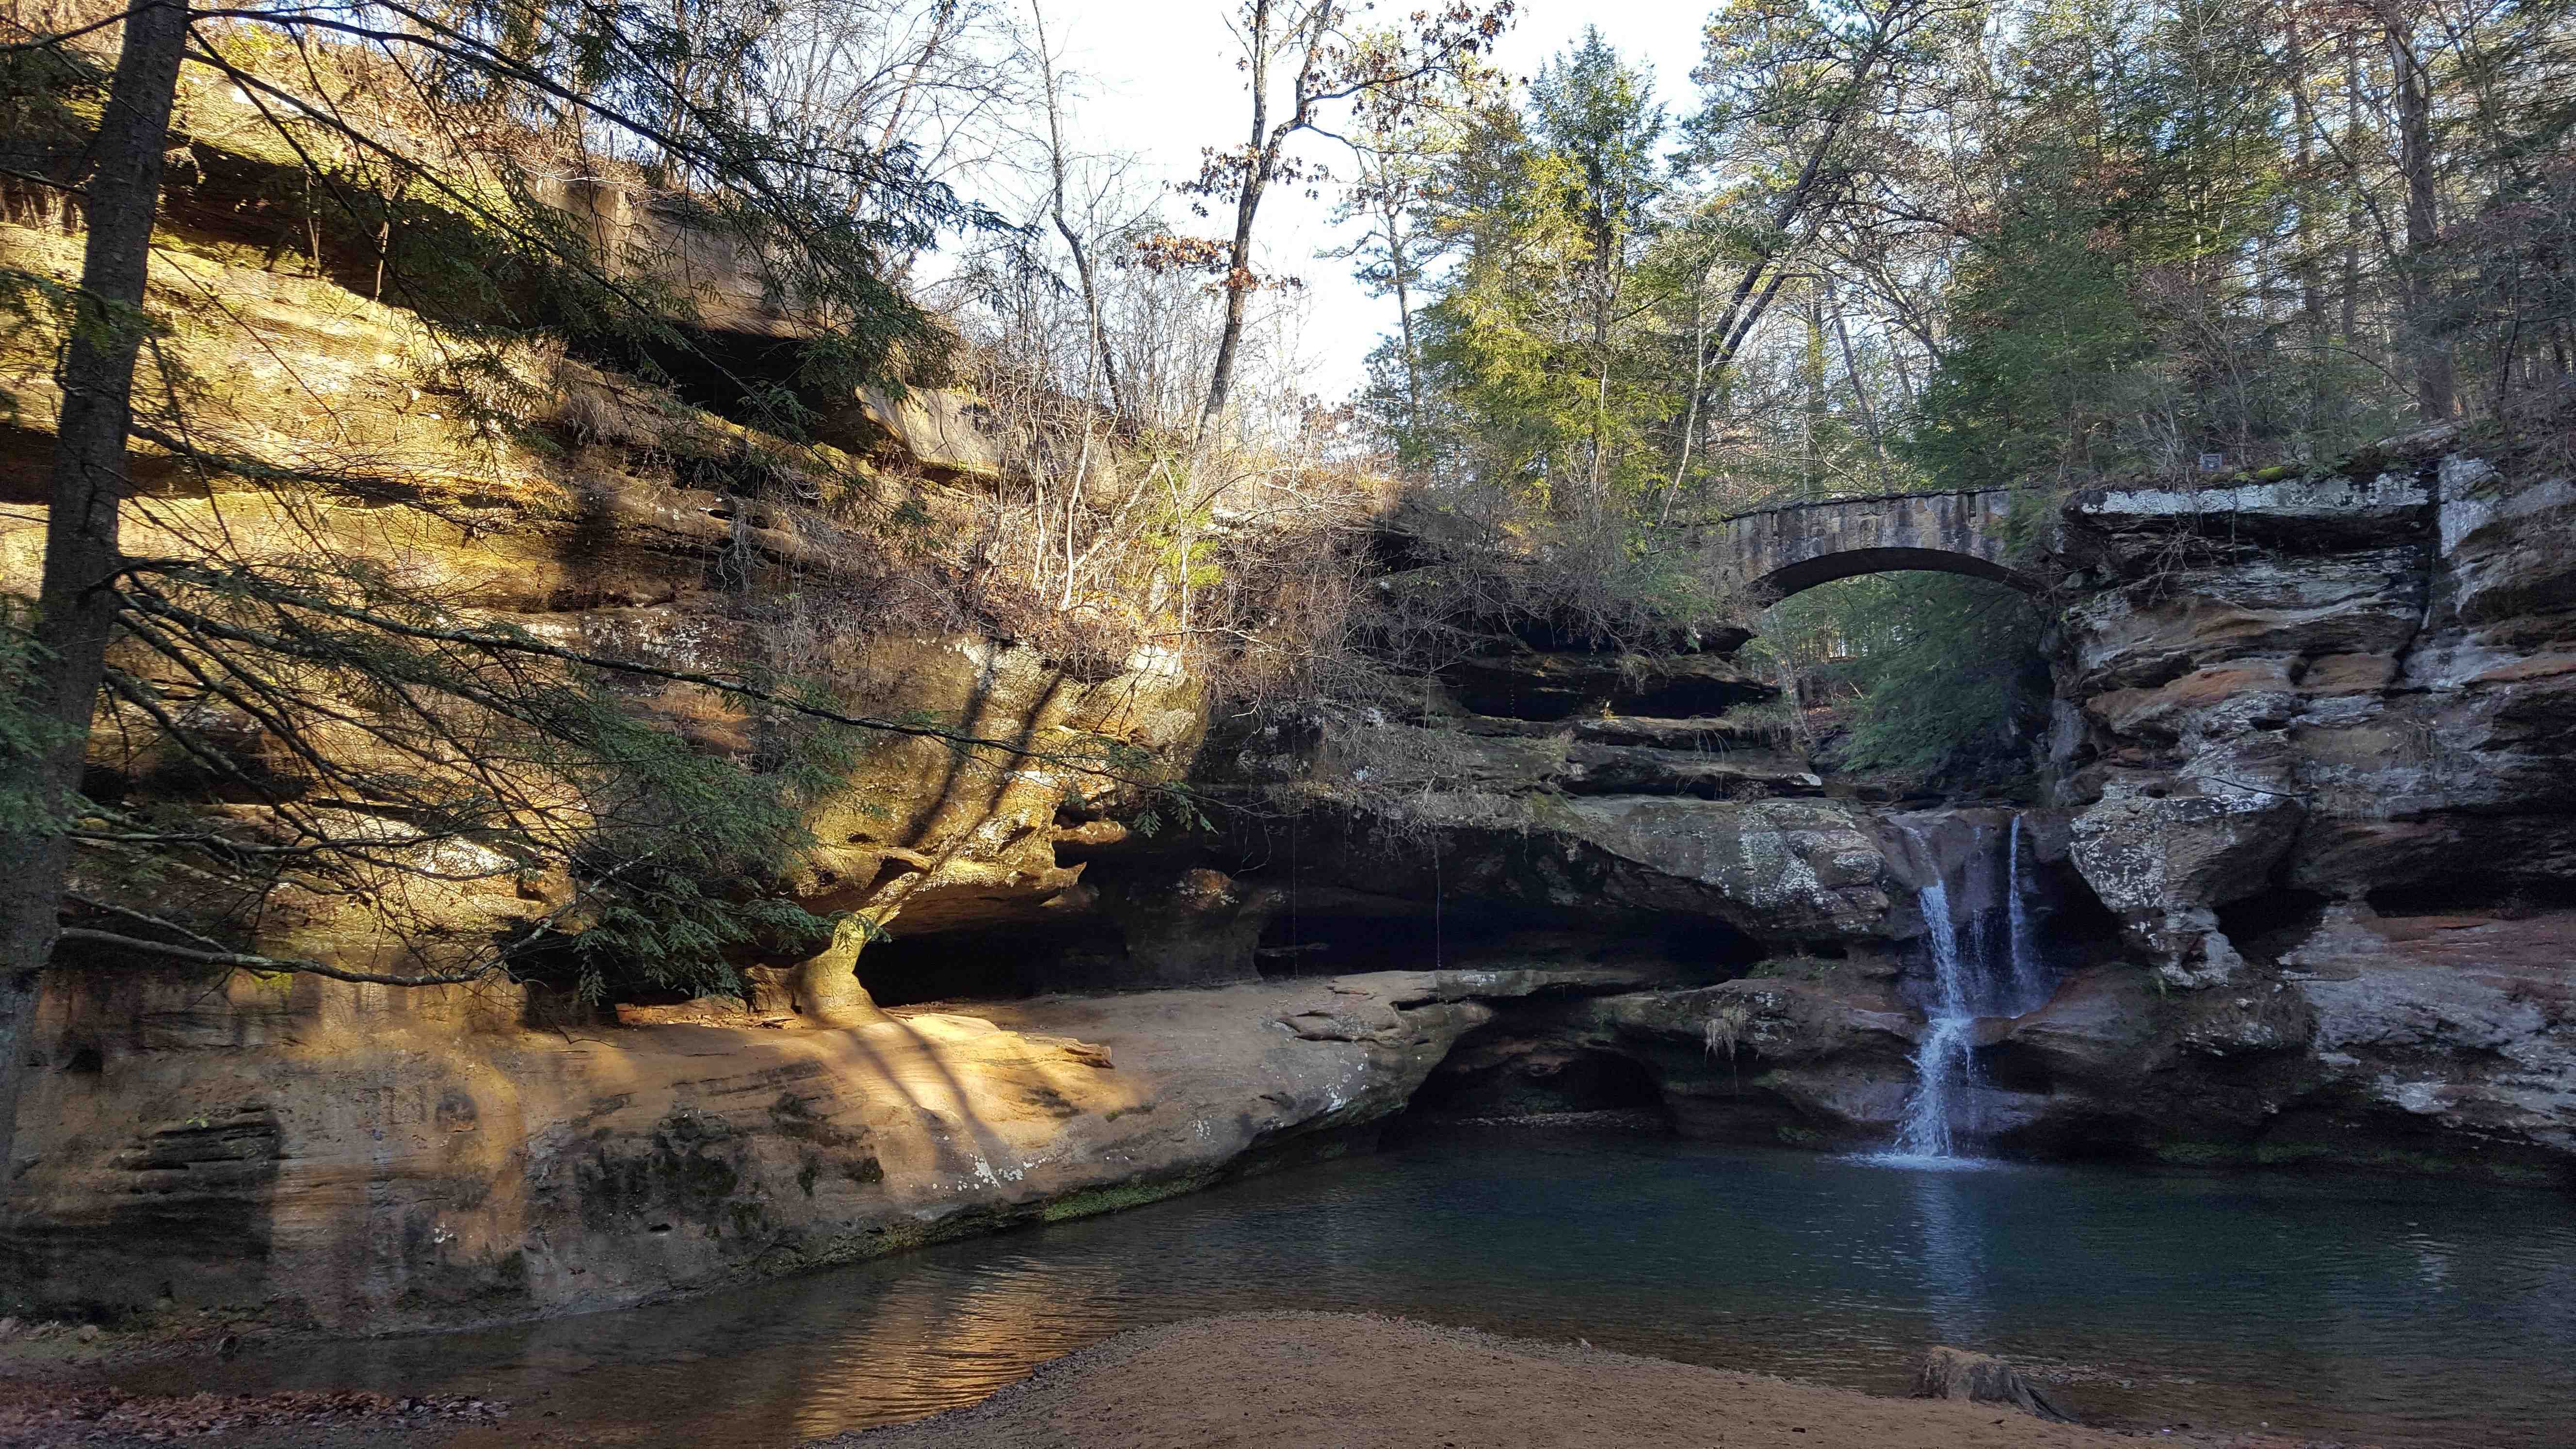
(1941,1060)
(2031,986)
(1965,987)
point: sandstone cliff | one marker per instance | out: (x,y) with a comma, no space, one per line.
(2305,855)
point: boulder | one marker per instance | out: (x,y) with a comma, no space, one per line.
(939,428)
(1963,1377)
(2161,863)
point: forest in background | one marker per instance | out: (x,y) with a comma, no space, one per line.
(1864,248)
(1923,244)
(1928,244)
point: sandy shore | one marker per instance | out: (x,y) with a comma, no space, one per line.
(1347,1381)
(1292,1380)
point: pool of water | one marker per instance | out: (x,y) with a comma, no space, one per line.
(2391,1311)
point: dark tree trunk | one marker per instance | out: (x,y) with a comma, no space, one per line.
(2433,379)
(1238,293)
(1261,156)
(76,605)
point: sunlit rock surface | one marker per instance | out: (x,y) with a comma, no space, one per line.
(366,1159)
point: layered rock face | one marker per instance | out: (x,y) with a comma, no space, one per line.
(623,529)
(1664,790)
(2305,872)
(2321,740)
(377,1158)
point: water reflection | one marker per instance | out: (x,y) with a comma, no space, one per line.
(1952,1255)
(2395,1312)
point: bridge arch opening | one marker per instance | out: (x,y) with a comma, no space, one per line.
(1826,568)
(1932,674)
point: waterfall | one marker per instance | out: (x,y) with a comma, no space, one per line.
(1941,1061)
(1966,985)
(2029,976)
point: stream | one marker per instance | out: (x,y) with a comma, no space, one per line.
(2397,1311)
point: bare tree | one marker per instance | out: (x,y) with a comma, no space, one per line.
(1059,162)
(1304,60)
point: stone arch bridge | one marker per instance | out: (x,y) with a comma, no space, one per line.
(1786,548)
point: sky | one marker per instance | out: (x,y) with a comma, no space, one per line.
(1158,83)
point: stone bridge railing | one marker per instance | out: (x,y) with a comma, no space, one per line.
(1781,550)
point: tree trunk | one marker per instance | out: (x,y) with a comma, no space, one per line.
(1763,274)
(1851,371)
(76,605)
(1261,154)
(1238,295)
(1397,264)
(944,17)
(2433,381)
(1819,410)
(2312,309)
(1072,239)
(826,986)
(2353,218)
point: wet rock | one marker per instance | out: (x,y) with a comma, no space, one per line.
(1773,1021)
(1963,1377)
(2095,1036)
(38,1413)
(1760,1059)
(2266,1018)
